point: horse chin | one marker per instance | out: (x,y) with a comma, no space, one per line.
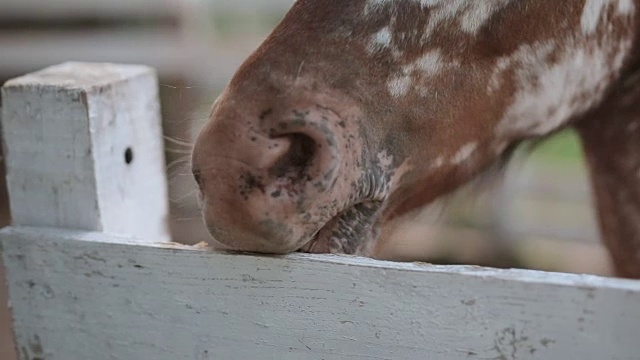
(351,232)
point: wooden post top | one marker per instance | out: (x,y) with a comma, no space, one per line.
(83,146)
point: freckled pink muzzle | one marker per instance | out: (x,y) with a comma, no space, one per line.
(271,178)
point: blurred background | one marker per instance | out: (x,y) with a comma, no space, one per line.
(538,215)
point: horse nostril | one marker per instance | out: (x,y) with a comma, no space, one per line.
(298,157)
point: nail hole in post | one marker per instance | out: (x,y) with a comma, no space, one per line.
(128,156)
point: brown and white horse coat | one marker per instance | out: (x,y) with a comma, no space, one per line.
(354,113)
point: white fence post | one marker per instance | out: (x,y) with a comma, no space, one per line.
(83,147)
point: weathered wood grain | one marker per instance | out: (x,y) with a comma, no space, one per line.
(78,295)
(84,149)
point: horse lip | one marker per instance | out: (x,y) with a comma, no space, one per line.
(321,241)
(311,245)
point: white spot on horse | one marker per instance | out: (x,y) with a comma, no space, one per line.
(567,76)
(464,153)
(380,40)
(438,162)
(496,78)
(469,15)
(399,86)
(550,94)
(478,13)
(594,10)
(591,14)
(376,4)
(625,7)
(428,65)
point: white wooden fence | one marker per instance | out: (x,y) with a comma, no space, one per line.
(92,275)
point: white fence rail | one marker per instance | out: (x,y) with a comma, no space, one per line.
(113,288)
